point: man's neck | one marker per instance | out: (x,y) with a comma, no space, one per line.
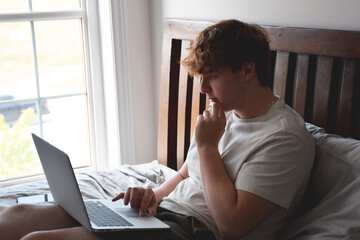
(257,103)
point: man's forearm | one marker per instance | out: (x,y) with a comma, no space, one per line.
(219,190)
(167,187)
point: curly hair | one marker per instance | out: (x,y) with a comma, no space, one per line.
(229,43)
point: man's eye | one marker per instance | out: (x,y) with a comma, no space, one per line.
(208,77)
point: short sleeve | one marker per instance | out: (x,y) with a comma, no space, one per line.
(279,167)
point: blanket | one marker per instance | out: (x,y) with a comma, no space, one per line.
(96,184)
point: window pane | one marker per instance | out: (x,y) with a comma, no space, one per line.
(60,57)
(51,5)
(10,6)
(18,156)
(66,127)
(17,75)
(7,6)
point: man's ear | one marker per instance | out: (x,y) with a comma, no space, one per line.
(249,70)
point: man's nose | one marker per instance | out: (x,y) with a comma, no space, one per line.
(204,85)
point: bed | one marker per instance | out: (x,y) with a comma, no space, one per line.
(316,72)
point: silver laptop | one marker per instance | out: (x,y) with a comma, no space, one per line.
(96,215)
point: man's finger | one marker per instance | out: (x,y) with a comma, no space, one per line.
(127,196)
(146,200)
(217,109)
(152,209)
(206,113)
(134,198)
(119,196)
(200,117)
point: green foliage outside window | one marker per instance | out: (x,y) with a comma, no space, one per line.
(16,152)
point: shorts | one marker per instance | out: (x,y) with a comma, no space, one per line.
(181,228)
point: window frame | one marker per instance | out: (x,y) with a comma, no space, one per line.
(101,47)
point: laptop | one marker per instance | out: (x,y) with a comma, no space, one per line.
(96,215)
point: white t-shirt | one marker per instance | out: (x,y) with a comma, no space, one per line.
(270,156)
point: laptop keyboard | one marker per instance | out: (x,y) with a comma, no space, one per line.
(103,216)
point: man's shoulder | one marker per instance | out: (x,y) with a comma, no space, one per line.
(288,118)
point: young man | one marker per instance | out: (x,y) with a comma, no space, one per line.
(248,164)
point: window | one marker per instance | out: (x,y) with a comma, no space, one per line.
(45,84)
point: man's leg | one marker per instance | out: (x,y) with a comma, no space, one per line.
(21,219)
(78,233)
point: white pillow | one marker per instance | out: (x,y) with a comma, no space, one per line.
(332,203)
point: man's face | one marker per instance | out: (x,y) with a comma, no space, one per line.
(224,86)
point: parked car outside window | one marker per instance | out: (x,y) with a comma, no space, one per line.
(13,111)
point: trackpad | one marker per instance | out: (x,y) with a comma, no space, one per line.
(127,212)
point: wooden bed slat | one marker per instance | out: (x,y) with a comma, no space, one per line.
(207,103)
(281,71)
(183,101)
(195,107)
(322,90)
(162,144)
(346,96)
(301,83)
(168,109)
(173,102)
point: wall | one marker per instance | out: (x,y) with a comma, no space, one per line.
(305,13)
(141,79)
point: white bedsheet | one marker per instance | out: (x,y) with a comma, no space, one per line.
(96,184)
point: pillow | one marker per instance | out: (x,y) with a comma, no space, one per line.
(331,207)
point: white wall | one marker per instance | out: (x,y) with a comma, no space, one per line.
(338,14)
(141,79)
(146,20)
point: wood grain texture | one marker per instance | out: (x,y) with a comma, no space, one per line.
(195,106)
(280,75)
(346,98)
(301,77)
(335,43)
(322,91)
(182,116)
(162,144)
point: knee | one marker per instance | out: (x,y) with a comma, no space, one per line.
(16,209)
(12,214)
(40,235)
(9,221)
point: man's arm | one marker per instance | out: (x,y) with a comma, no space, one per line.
(166,188)
(147,199)
(235,212)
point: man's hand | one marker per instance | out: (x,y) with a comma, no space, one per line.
(210,127)
(142,198)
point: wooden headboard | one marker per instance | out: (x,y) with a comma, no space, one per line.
(316,72)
